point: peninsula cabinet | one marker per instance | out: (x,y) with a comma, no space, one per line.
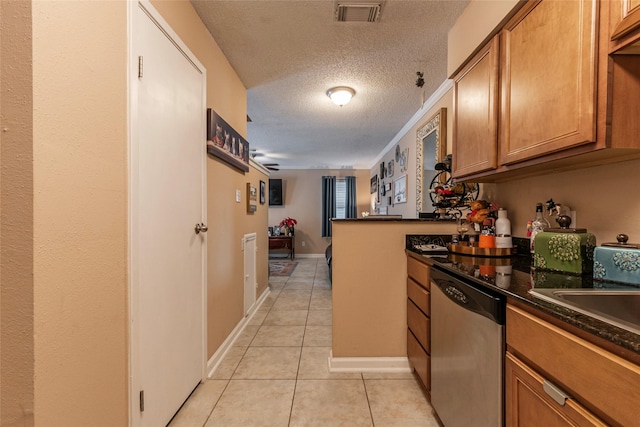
(418,320)
(563,101)
(553,377)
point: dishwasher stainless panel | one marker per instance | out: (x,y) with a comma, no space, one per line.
(467,353)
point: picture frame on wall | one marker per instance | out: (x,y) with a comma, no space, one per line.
(225,143)
(263,190)
(374,184)
(252,198)
(400,190)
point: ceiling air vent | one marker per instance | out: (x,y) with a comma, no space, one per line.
(354,11)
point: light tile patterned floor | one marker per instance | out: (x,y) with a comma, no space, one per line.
(276,374)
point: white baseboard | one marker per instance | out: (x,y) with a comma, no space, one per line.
(309,255)
(368,364)
(218,356)
(286,257)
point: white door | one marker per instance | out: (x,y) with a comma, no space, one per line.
(167,201)
(249,246)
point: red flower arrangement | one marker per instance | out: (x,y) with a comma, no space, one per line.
(288,222)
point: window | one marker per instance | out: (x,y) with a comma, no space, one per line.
(338,200)
(341,198)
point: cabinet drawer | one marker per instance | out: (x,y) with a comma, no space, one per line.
(602,381)
(419,324)
(419,296)
(419,360)
(418,272)
(528,402)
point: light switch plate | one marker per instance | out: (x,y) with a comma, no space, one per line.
(238,196)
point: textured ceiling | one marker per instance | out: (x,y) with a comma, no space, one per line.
(288,53)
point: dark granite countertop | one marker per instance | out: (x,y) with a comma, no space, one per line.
(392,218)
(514,277)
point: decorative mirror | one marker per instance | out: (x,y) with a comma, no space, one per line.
(431,146)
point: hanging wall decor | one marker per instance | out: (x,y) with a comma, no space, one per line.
(252,198)
(374,184)
(400,190)
(225,143)
(262,192)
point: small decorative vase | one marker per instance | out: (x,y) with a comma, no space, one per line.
(291,231)
(285,230)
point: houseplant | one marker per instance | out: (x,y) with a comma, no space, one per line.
(289,223)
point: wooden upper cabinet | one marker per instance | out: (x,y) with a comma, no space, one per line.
(475,127)
(548,71)
(625,20)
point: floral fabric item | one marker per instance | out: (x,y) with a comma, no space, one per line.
(614,264)
(566,252)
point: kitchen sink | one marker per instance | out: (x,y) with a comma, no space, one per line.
(618,307)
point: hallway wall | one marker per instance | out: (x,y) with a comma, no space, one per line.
(64,217)
(16,215)
(302,193)
(80,213)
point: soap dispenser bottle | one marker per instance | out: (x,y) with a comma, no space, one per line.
(503,230)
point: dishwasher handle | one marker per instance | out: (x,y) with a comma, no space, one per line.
(482,302)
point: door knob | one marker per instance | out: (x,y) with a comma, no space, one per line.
(201,228)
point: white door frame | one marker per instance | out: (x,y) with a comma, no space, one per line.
(133,285)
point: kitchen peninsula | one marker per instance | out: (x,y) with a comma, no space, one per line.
(369,290)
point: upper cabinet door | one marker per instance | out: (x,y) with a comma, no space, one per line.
(548,79)
(475,122)
(625,17)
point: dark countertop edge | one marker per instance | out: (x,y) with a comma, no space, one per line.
(393,219)
(623,343)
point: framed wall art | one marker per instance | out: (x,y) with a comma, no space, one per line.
(263,190)
(225,143)
(374,184)
(252,198)
(400,190)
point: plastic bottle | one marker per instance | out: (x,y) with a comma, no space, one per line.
(538,224)
(503,230)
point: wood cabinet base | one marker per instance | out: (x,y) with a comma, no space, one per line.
(419,360)
(527,404)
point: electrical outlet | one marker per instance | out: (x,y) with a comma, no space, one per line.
(238,196)
(304,243)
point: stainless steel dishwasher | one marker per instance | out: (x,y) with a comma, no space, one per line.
(467,352)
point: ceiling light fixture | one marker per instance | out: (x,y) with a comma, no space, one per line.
(341,95)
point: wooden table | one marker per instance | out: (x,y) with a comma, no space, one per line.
(282,242)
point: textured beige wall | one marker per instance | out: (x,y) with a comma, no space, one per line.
(228,221)
(16,215)
(302,192)
(370,286)
(80,212)
(408,210)
(605,199)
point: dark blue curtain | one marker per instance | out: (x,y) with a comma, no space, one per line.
(350,203)
(328,203)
